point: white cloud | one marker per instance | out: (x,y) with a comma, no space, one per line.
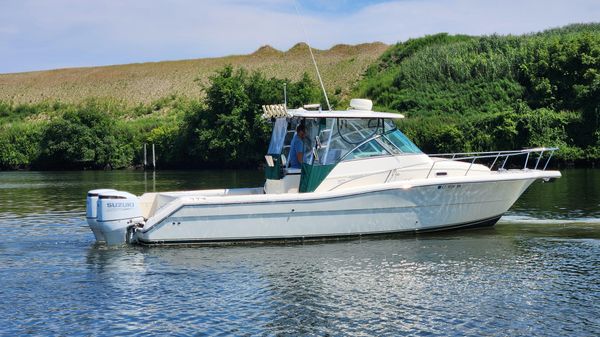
(37,34)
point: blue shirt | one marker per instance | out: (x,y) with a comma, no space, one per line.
(297,146)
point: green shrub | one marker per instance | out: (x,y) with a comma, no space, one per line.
(86,136)
(495,92)
(19,144)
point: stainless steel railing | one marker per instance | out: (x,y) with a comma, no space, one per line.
(497,156)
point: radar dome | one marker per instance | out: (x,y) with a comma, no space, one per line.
(361,104)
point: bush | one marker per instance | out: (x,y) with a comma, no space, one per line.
(85,136)
(19,145)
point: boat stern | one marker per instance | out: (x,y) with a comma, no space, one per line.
(91,212)
(113,215)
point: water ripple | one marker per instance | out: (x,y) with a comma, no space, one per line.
(529,276)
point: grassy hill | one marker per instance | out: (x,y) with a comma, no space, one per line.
(341,66)
(476,93)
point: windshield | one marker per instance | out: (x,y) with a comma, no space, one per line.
(337,139)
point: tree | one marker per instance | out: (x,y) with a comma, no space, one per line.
(228,130)
(85,136)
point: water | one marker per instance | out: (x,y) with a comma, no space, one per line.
(537,273)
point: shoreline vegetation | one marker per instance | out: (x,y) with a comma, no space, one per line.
(459,93)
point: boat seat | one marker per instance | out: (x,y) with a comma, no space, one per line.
(291,170)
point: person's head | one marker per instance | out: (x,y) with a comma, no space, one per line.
(301,130)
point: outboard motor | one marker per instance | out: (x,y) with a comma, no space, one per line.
(91,212)
(118,215)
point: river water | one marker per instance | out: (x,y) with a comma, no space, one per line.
(536,273)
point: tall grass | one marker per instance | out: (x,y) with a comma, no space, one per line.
(146,83)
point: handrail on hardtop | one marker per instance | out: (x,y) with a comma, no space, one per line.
(474,156)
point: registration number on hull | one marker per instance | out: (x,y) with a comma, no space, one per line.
(449,186)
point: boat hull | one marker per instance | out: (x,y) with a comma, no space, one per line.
(483,223)
(390,209)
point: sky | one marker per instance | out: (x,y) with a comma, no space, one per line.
(48,34)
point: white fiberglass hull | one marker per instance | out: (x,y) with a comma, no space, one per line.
(410,206)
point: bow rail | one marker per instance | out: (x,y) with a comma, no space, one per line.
(498,156)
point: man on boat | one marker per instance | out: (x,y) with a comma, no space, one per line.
(297,148)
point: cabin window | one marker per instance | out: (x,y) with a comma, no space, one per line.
(355,131)
(332,140)
(367,150)
(400,142)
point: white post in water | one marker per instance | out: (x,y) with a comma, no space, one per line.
(145,157)
(285,94)
(153,158)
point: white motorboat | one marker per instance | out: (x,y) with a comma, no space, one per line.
(360,176)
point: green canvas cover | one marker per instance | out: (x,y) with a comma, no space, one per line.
(274,172)
(312,176)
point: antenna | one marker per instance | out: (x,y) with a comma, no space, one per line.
(312,55)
